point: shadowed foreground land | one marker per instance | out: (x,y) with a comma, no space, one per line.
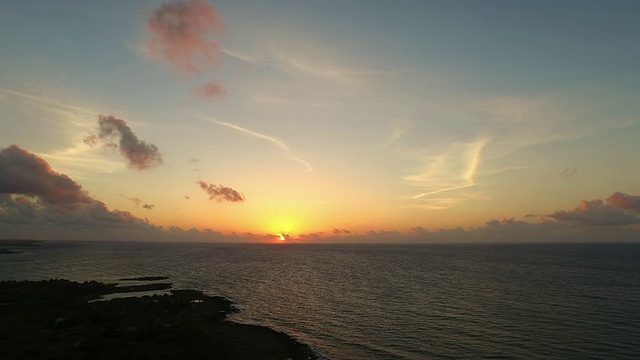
(54,320)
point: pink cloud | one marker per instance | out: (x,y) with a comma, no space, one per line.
(624,201)
(210,90)
(182,32)
(619,209)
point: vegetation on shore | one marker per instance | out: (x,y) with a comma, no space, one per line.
(55,319)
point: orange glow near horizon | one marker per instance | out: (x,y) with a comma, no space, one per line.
(282,225)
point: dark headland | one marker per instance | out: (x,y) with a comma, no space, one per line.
(56,319)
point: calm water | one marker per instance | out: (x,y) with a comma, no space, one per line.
(394,302)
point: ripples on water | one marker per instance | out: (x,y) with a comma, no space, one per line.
(393,301)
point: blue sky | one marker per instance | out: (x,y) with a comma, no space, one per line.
(323,115)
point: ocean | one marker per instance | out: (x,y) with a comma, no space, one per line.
(524,301)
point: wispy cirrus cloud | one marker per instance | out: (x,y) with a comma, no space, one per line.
(449,170)
(140,155)
(521,121)
(291,63)
(269,99)
(50,104)
(61,125)
(280,144)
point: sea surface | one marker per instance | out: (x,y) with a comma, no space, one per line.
(562,301)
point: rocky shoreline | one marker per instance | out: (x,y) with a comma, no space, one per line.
(60,319)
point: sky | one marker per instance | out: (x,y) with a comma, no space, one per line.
(320,121)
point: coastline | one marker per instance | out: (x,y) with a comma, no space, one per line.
(58,319)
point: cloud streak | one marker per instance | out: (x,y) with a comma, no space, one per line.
(220,193)
(284,147)
(288,62)
(453,169)
(51,105)
(139,154)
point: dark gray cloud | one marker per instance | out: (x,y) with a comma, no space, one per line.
(22,172)
(140,155)
(341,231)
(312,236)
(33,195)
(221,193)
(136,200)
(569,171)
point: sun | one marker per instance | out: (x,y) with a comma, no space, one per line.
(281,226)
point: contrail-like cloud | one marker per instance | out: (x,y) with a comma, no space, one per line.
(284,147)
(49,104)
(454,169)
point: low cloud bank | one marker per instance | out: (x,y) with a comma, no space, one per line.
(38,202)
(618,209)
(615,219)
(24,173)
(34,196)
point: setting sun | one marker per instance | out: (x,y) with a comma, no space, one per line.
(282,226)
